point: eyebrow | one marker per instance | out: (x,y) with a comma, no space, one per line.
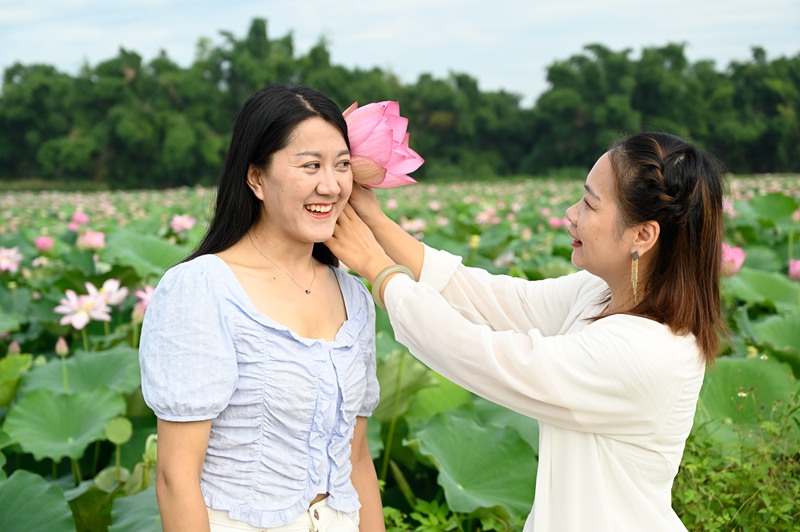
(591,192)
(318,154)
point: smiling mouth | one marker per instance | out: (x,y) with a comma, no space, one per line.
(319,208)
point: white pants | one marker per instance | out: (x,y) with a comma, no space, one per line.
(319,518)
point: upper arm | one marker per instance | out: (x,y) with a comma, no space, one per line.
(359,446)
(182,449)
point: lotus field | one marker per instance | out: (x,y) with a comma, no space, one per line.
(77,442)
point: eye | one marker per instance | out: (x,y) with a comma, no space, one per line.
(585,202)
(343,165)
(312,166)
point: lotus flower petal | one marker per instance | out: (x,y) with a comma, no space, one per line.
(379,149)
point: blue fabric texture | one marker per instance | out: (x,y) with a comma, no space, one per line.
(283,407)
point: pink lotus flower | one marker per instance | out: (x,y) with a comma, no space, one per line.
(44,244)
(379,149)
(62,349)
(14,348)
(732,259)
(556,223)
(80,310)
(182,222)
(92,240)
(80,218)
(794,269)
(110,292)
(10,259)
(141,306)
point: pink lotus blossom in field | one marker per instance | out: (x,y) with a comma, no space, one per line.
(182,222)
(391,204)
(80,310)
(62,349)
(10,259)
(110,292)
(44,244)
(732,259)
(413,225)
(14,348)
(794,269)
(379,151)
(79,219)
(557,223)
(141,306)
(92,240)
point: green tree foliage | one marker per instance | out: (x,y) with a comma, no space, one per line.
(129,123)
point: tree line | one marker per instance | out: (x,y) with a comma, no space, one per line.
(127,123)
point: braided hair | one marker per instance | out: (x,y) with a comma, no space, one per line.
(662,178)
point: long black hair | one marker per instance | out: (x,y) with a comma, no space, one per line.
(263,126)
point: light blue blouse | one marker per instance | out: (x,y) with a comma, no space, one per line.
(283,407)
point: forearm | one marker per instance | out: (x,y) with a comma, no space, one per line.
(365,481)
(182,507)
(401,247)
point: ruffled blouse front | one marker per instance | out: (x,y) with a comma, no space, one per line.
(283,406)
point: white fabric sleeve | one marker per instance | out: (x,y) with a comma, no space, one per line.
(500,301)
(188,362)
(613,377)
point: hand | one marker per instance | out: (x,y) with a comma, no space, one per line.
(355,245)
(365,203)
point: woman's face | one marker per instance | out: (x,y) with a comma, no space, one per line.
(306,185)
(598,247)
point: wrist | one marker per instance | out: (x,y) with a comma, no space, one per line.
(384,275)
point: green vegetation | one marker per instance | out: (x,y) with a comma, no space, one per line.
(77,444)
(130,123)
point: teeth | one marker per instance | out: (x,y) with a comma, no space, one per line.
(319,208)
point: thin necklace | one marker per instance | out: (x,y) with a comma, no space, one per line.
(306,290)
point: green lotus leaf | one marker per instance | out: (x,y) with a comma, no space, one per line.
(51,425)
(136,513)
(2,465)
(401,377)
(119,430)
(147,254)
(782,334)
(738,393)
(29,502)
(116,369)
(493,414)
(774,206)
(90,506)
(110,478)
(480,466)
(8,323)
(437,399)
(12,368)
(374,438)
(759,287)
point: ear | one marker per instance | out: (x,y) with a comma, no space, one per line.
(254,175)
(645,237)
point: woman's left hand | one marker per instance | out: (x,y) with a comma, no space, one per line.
(355,245)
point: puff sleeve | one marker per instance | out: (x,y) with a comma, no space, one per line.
(188,362)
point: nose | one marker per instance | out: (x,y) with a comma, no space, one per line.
(571,213)
(328,184)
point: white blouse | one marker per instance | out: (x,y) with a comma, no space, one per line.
(615,398)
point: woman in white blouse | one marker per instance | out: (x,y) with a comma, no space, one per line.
(610,360)
(258,352)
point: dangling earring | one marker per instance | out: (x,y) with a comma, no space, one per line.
(635,276)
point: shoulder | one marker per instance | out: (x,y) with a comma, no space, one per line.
(645,339)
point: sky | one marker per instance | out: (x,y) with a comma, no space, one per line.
(504,44)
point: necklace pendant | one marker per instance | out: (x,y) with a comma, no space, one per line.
(308,291)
